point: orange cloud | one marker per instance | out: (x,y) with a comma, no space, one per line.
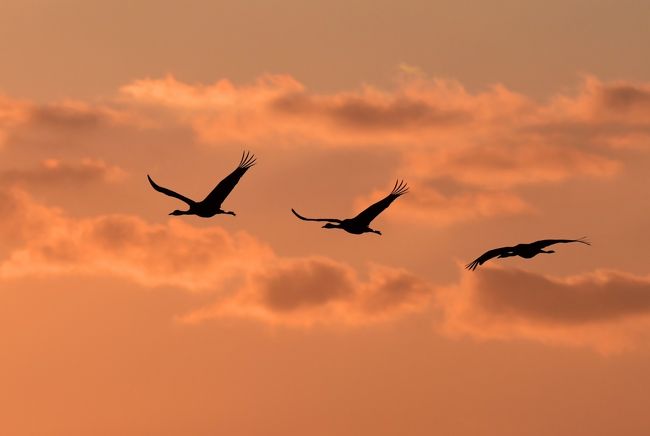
(485,145)
(370,111)
(424,114)
(66,125)
(22,219)
(434,114)
(310,291)
(625,103)
(249,278)
(489,142)
(278,109)
(75,115)
(12,113)
(606,310)
(47,241)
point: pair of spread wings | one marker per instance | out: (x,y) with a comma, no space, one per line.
(221,191)
(514,251)
(365,217)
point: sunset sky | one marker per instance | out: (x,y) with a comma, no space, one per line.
(511,121)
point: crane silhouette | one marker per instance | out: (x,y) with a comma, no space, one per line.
(522,250)
(211,205)
(360,223)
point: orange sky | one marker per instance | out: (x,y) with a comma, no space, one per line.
(511,122)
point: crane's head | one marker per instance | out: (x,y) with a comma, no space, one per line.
(178,212)
(331,226)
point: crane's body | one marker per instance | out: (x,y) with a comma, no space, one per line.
(361,223)
(211,204)
(527,251)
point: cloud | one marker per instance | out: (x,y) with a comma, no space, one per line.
(493,145)
(54,172)
(626,97)
(489,143)
(22,219)
(218,113)
(278,108)
(12,113)
(625,103)
(47,241)
(417,110)
(248,278)
(244,278)
(66,116)
(359,112)
(67,124)
(308,291)
(427,115)
(77,116)
(606,310)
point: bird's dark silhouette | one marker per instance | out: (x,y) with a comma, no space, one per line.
(522,250)
(360,223)
(211,205)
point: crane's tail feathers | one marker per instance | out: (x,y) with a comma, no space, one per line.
(247,160)
(400,188)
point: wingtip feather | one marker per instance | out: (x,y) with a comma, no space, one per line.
(248,160)
(400,188)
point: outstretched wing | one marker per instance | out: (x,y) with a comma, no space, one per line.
(490,254)
(221,191)
(330,220)
(365,217)
(169,192)
(546,242)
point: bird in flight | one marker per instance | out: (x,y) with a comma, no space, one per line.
(211,205)
(360,223)
(522,250)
